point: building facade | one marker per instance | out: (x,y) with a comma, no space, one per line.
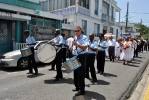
(19,15)
(131,29)
(94,16)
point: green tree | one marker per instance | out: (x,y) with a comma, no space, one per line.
(143,30)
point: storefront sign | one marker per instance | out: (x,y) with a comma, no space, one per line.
(1,31)
(5,14)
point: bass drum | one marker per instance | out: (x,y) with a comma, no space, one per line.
(46,53)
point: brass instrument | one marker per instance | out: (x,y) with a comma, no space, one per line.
(51,41)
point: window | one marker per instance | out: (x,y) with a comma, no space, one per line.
(64,21)
(72,2)
(105,8)
(112,12)
(84,26)
(111,30)
(84,3)
(96,7)
(96,29)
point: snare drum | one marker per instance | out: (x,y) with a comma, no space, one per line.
(26,52)
(71,64)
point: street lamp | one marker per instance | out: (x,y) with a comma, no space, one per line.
(121,31)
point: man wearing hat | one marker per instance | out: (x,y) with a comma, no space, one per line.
(102,45)
(58,41)
(31,60)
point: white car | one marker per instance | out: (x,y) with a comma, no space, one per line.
(15,59)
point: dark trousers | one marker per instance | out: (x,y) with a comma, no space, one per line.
(141,48)
(79,74)
(145,47)
(111,51)
(69,53)
(58,62)
(101,61)
(64,55)
(136,52)
(90,65)
(138,47)
(32,62)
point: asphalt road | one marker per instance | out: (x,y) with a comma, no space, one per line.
(17,85)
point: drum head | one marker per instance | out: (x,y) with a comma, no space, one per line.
(46,53)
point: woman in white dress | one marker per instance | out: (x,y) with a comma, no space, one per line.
(127,51)
(132,49)
(106,51)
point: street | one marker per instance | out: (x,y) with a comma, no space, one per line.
(17,85)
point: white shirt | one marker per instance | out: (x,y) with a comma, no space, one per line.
(64,42)
(112,42)
(69,41)
(30,40)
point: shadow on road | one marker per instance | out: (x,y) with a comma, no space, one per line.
(109,75)
(89,95)
(34,76)
(67,81)
(137,60)
(133,65)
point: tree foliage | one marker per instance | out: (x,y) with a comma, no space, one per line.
(143,30)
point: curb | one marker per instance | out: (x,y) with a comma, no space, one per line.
(138,92)
(132,86)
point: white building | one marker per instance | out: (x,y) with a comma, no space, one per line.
(94,16)
(131,29)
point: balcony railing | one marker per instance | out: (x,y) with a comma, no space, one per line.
(108,19)
(72,10)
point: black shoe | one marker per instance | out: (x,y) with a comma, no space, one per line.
(87,77)
(98,72)
(94,80)
(29,73)
(80,93)
(75,89)
(101,73)
(56,80)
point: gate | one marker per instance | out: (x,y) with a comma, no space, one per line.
(7,34)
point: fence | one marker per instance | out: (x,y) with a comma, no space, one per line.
(18,46)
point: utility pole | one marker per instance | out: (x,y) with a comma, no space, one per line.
(127,17)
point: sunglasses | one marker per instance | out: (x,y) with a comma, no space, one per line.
(77,30)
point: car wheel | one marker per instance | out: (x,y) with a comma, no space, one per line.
(22,63)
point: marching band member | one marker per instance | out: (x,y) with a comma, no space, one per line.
(58,41)
(111,49)
(132,49)
(92,48)
(102,45)
(64,47)
(69,43)
(31,60)
(79,49)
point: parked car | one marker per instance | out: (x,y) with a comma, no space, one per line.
(15,59)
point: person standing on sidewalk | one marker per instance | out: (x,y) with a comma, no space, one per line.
(79,49)
(92,48)
(31,60)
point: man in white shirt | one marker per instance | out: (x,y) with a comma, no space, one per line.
(31,60)
(69,43)
(111,49)
(64,48)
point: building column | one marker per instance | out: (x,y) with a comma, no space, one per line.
(18,31)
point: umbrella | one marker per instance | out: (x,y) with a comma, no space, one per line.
(109,34)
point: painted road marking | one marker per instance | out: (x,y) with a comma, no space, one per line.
(12,73)
(146,96)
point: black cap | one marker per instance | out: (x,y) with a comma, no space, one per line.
(26,31)
(57,31)
(101,35)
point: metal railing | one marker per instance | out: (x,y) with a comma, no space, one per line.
(18,46)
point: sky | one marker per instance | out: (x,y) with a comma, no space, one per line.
(138,9)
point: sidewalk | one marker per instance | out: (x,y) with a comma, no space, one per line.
(141,92)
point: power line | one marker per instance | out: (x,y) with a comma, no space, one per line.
(138,13)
